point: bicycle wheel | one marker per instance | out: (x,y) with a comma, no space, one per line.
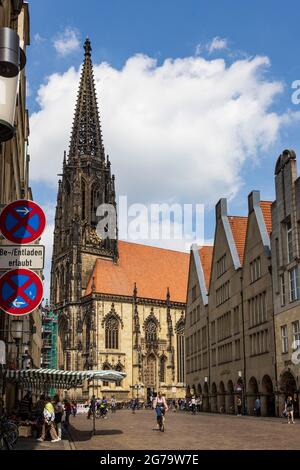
(13,430)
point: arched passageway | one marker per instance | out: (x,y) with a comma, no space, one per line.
(222,398)
(267,397)
(252,394)
(230,398)
(288,386)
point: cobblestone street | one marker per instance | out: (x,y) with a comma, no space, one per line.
(127,431)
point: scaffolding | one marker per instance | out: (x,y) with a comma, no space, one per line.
(49,339)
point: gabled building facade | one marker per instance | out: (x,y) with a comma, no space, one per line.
(258,311)
(196,327)
(238,313)
(286,274)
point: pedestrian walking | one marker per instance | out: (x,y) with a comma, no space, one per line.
(113,404)
(74,408)
(134,405)
(48,425)
(239,405)
(289,409)
(68,411)
(58,414)
(193,405)
(92,407)
(257,407)
(103,408)
(39,410)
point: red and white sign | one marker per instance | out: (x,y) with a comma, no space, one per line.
(22,222)
(21,292)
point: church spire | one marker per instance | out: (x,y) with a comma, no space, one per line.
(86,138)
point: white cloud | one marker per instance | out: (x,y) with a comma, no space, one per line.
(180,131)
(38,39)
(47,241)
(67,42)
(216,44)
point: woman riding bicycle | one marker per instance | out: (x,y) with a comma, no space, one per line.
(160,406)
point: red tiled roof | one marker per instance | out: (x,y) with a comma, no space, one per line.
(239,230)
(266,210)
(206,254)
(153,269)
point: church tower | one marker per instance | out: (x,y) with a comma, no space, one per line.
(86,183)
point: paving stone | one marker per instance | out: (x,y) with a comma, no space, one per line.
(204,431)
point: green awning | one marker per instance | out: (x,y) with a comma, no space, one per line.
(63,379)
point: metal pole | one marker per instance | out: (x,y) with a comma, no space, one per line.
(18,367)
(94,408)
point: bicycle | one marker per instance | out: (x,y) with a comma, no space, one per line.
(9,433)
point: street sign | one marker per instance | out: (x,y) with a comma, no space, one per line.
(22,222)
(21,292)
(16,256)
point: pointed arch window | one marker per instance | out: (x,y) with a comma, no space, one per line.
(57,292)
(62,284)
(162,371)
(83,199)
(180,352)
(151,331)
(95,202)
(112,333)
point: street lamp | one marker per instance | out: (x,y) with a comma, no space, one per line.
(137,387)
(17,333)
(12,60)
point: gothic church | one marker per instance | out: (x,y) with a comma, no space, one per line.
(121,305)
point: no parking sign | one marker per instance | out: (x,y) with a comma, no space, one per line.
(21,292)
(22,222)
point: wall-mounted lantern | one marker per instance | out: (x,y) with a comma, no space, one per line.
(12,60)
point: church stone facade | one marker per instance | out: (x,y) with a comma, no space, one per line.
(121,305)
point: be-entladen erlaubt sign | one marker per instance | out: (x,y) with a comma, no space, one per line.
(16,256)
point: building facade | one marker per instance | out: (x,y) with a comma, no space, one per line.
(120,305)
(229,324)
(14,184)
(286,273)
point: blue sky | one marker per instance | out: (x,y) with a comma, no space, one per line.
(162,29)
